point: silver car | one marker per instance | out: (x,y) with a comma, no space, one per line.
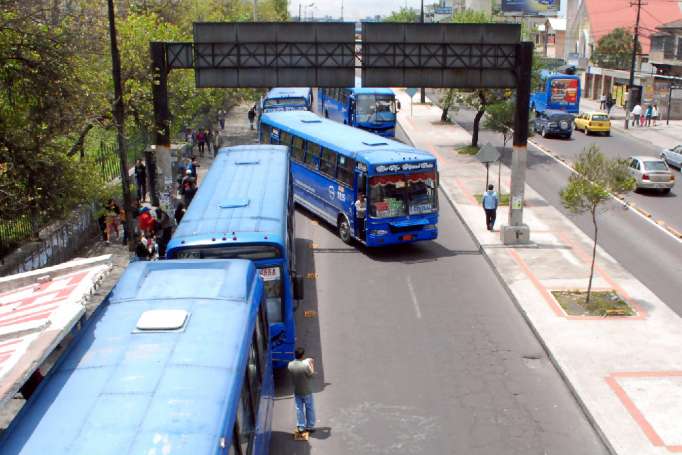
(673,156)
(651,173)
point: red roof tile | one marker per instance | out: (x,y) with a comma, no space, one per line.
(606,15)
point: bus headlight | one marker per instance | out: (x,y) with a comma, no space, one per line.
(378,232)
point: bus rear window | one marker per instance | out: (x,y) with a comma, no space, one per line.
(253,252)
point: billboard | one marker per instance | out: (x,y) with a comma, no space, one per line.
(531,7)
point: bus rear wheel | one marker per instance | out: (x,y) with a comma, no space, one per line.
(344,229)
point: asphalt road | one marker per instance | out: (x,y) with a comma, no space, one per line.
(419,350)
(667,208)
(648,253)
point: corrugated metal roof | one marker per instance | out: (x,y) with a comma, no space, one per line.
(117,391)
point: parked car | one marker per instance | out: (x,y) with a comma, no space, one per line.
(651,173)
(554,123)
(673,156)
(593,122)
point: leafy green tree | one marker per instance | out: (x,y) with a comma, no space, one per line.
(615,49)
(596,177)
(500,118)
(404,14)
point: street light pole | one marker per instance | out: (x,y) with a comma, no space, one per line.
(255,15)
(631,83)
(422,95)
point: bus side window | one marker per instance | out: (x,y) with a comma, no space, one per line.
(312,155)
(344,170)
(328,162)
(265,132)
(284,138)
(297,152)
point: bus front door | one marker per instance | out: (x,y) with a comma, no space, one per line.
(360,188)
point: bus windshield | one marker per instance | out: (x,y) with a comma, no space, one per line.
(284,103)
(402,194)
(375,108)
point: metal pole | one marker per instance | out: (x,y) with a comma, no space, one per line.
(255,15)
(487,173)
(633,59)
(517,232)
(118,112)
(670,102)
(299,11)
(341,10)
(161,118)
(422,96)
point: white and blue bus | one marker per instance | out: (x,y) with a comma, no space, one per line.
(333,164)
(244,209)
(371,109)
(287,99)
(175,360)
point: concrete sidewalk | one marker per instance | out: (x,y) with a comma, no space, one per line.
(625,371)
(662,135)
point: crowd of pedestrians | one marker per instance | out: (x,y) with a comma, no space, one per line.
(644,117)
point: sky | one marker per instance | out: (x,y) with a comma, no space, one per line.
(352,9)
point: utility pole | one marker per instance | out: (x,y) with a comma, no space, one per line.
(118,120)
(255,15)
(299,11)
(635,42)
(422,95)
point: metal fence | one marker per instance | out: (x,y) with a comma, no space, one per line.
(14,232)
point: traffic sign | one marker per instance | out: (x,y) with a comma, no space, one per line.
(488,154)
(411,91)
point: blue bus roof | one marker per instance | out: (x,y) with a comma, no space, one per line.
(119,390)
(353,142)
(288,92)
(245,192)
(546,74)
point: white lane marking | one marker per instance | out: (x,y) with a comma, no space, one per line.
(413,294)
(621,202)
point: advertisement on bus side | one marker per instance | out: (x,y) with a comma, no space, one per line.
(563,91)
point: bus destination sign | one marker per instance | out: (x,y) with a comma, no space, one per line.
(403,167)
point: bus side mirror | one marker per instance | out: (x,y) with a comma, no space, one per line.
(298,287)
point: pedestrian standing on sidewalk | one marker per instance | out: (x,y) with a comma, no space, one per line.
(141,180)
(209,142)
(252,115)
(602,102)
(201,140)
(647,115)
(609,104)
(302,371)
(636,114)
(490,203)
(221,119)
(164,231)
(654,114)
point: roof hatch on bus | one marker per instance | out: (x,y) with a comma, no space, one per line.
(246,162)
(234,203)
(162,321)
(311,120)
(374,143)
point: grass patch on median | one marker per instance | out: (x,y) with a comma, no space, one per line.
(504,198)
(602,303)
(467,150)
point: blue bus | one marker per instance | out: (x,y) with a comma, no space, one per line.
(557,91)
(333,164)
(244,209)
(288,99)
(175,360)
(371,109)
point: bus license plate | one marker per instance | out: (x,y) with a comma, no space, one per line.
(407,237)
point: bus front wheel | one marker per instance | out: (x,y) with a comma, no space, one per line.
(344,229)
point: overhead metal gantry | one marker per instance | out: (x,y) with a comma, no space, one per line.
(258,55)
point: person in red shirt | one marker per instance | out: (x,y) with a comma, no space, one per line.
(145,221)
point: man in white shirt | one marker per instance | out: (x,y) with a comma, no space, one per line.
(636,114)
(361,214)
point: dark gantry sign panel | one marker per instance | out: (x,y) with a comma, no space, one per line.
(439,55)
(274,54)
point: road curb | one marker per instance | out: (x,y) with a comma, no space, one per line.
(586,412)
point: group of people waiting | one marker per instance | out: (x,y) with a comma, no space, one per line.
(644,117)
(203,139)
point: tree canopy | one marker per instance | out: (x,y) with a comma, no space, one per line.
(615,49)
(404,14)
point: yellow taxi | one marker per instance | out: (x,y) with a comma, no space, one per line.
(593,122)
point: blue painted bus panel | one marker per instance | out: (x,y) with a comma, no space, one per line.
(383,123)
(561,92)
(118,390)
(287,99)
(374,155)
(244,201)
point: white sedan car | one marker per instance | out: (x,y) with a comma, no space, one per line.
(673,156)
(651,173)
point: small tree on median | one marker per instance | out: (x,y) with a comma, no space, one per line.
(596,177)
(500,118)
